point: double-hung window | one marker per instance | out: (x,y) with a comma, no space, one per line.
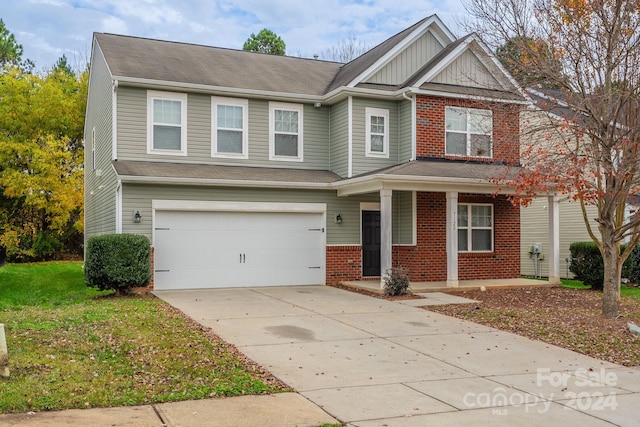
(377,132)
(229,134)
(167,123)
(475,228)
(285,131)
(468,132)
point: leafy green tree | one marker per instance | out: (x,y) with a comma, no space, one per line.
(41,177)
(10,50)
(519,56)
(266,41)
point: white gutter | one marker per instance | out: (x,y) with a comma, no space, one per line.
(224,182)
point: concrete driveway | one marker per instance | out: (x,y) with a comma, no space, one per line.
(371,362)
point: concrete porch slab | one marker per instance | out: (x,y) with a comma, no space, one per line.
(464,285)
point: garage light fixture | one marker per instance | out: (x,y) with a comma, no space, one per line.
(338,219)
(137,217)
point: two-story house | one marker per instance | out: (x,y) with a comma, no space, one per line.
(246,169)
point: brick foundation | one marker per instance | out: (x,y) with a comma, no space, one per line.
(344,263)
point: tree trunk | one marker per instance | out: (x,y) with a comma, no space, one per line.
(612,273)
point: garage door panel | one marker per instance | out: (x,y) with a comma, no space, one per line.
(226,249)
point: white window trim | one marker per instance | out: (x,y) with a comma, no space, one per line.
(215,101)
(173,96)
(469,228)
(468,133)
(299,108)
(377,112)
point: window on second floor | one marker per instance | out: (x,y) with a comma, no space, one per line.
(167,123)
(468,132)
(229,133)
(377,132)
(475,227)
(285,132)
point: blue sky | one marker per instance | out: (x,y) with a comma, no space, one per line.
(47,29)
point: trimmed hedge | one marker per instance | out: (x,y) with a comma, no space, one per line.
(118,261)
(588,266)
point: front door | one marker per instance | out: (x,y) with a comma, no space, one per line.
(371,243)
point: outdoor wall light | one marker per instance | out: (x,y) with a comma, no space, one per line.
(317,104)
(137,217)
(338,219)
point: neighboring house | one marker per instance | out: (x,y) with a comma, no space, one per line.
(246,169)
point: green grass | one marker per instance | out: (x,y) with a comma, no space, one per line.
(73,347)
(632,292)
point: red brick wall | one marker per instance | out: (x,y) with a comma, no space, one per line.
(344,263)
(430,128)
(504,261)
(427,262)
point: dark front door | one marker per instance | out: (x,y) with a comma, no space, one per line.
(371,243)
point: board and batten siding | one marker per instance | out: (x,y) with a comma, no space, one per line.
(99,182)
(361,163)
(409,61)
(467,70)
(534,226)
(132,132)
(138,197)
(405,125)
(340,138)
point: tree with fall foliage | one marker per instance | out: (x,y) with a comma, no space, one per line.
(592,151)
(266,41)
(41,152)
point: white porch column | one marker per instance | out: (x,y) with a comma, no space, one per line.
(452,239)
(385,234)
(554,240)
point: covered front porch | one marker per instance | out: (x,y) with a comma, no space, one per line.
(445,187)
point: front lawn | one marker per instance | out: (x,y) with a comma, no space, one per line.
(568,316)
(75,347)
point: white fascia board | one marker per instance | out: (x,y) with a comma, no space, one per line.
(419,91)
(386,58)
(219,90)
(445,62)
(223,182)
(498,64)
(412,183)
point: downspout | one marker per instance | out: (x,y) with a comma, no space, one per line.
(412,98)
(119,207)
(114,121)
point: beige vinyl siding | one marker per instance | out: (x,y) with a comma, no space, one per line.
(467,70)
(132,132)
(340,138)
(402,232)
(535,229)
(409,61)
(138,197)
(100,183)
(361,163)
(405,124)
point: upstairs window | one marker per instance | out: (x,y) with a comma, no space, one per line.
(229,131)
(167,123)
(475,228)
(285,131)
(468,132)
(377,132)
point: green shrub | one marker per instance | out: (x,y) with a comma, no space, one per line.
(396,282)
(118,261)
(588,266)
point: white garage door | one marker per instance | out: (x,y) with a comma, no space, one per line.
(232,249)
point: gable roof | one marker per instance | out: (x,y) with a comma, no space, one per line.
(142,61)
(135,58)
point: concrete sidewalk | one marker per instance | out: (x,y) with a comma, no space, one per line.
(285,409)
(371,362)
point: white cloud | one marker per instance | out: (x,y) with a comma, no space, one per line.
(111,24)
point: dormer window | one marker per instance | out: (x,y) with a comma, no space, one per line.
(468,132)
